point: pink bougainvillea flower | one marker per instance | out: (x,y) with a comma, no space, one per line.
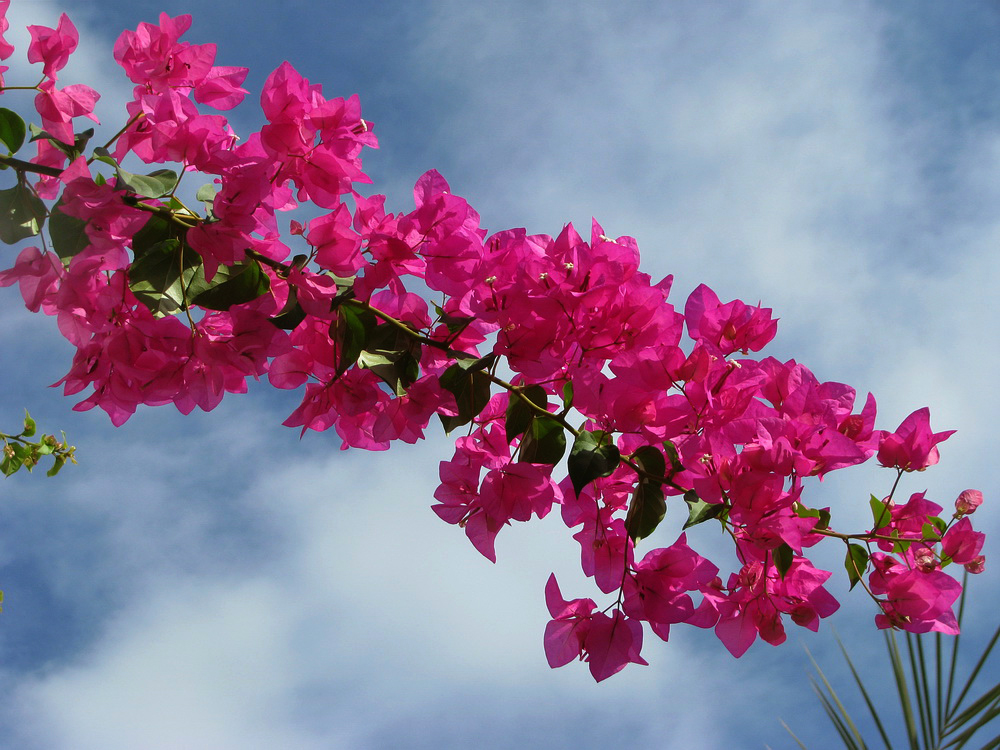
(567,631)
(37,275)
(57,107)
(961,543)
(53,46)
(912,446)
(611,643)
(6,48)
(575,631)
(734,326)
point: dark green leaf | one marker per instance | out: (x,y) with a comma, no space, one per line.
(483,363)
(81,140)
(544,442)
(699,511)
(519,413)
(351,329)
(37,134)
(72,150)
(154,231)
(289,317)
(12,130)
(103,155)
(675,462)
(454,323)
(783,556)
(471,388)
(645,511)
(651,461)
(232,285)
(397,369)
(856,562)
(22,214)
(567,395)
(593,455)
(68,233)
(160,278)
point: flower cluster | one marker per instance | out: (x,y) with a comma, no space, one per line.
(539,349)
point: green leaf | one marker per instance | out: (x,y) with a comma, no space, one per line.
(675,462)
(22,214)
(159,278)
(593,455)
(56,466)
(289,317)
(232,285)
(156,184)
(699,511)
(519,413)
(12,130)
(856,562)
(471,388)
(153,232)
(783,556)
(567,395)
(822,515)
(651,461)
(9,465)
(645,511)
(68,233)
(351,330)
(206,193)
(454,323)
(103,155)
(29,425)
(880,513)
(397,369)
(72,150)
(544,442)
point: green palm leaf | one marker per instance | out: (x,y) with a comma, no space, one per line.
(933,717)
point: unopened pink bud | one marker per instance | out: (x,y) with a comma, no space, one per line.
(926,561)
(976,565)
(968,501)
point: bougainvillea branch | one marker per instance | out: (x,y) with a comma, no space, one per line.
(568,374)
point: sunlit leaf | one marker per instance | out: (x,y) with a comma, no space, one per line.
(856,562)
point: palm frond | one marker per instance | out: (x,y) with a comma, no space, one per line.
(933,716)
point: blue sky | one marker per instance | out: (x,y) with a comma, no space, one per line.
(213,581)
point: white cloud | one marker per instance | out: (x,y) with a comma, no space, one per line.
(272,595)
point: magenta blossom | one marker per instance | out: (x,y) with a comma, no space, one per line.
(912,446)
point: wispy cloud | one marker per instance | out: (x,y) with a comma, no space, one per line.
(226,585)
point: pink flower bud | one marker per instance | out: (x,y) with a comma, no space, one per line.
(968,501)
(925,560)
(976,565)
